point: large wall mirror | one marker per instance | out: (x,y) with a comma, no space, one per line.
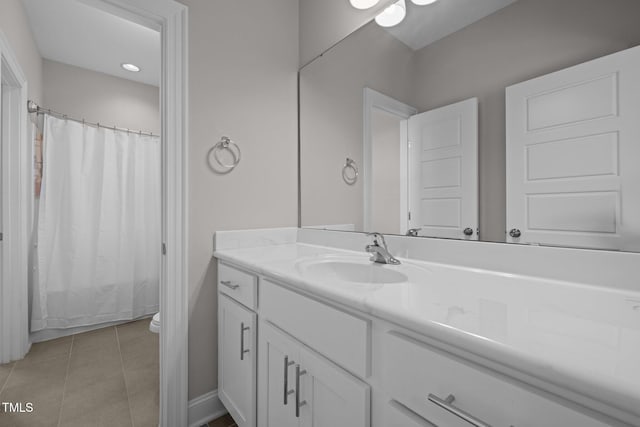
(494,120)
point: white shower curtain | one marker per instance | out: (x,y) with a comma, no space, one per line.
(98,250)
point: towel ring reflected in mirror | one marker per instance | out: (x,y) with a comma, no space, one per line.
(225,144)
(350,172)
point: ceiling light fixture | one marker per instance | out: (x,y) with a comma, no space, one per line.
(130,67)
(363,4)
(423,2)
(392,15)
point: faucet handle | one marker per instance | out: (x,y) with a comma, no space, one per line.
(377,236)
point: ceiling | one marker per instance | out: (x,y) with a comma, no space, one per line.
(74,33)
(424,25)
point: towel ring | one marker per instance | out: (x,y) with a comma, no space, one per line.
(227,144)
(350,178)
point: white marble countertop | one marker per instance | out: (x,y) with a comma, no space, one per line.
(584,339)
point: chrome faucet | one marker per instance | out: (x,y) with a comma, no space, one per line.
(380,254)
(413,232)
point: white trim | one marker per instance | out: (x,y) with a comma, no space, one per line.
(404,175)
(373,99)
(170,18)
(205,408)
(16,179)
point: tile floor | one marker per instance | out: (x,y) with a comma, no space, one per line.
(224,421)
(107,377)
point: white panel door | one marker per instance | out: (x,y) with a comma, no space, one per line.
(331,397)
(573,150)
(443,171)
(278,357)
(237,361)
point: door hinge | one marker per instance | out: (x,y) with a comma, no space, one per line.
(164,249)
(1,236)
(409,216)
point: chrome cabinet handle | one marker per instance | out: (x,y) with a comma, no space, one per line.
(468,231)
(515,233)
(228,284)
(447,406)
(287,392)
(242,349)
(299,403)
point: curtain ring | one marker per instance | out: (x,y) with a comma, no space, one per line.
(350,178)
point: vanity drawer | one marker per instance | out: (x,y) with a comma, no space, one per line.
(412,371)
(339,336)
(238,284)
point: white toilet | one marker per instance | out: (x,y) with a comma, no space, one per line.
(154,326)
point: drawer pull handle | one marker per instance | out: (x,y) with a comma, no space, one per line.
(242,349)
(287,392)
(299,403)
(228,284)
(447,406)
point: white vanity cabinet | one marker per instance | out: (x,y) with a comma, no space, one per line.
(237,354)
(320,364)
(298,387)
(428,384)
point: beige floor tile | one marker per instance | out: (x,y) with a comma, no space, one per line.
(116,415)
(46,405)
(81,380)
(99,339)
(140,352)
(46,350)
(133,330)
(143,381)
(145,409)
(93,360)
(97,404)
(5,370)
(48,374)
(224,421)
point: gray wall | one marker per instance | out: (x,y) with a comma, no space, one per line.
(100,98)
(331,94)
(15,26)
(526,39)
(243,84)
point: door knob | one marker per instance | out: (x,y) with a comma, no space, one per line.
(515,233)
(468,231)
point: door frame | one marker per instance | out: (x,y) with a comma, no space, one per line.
(169,18)
(374,99)
(16,207)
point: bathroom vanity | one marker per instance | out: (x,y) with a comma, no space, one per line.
(313,333)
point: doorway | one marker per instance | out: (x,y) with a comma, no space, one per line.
(170,18)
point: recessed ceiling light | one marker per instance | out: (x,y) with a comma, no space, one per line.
(423,2)
(130,67)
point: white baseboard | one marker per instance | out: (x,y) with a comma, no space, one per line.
(205,408)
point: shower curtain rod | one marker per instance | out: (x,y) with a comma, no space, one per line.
(32,107)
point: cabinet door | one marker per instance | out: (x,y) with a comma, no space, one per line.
(330,396)
(279,355)
(237,361)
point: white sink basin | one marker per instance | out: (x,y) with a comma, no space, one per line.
(354,271)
